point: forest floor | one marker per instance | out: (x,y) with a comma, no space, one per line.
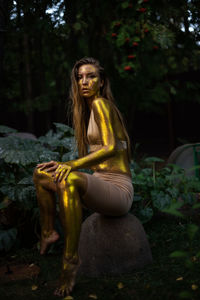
(24,274)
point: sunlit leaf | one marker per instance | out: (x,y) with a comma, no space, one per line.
(120,285)
(194,287)
(179,279)
(93,296)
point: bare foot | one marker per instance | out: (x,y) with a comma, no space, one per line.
(47,241)
(67,279)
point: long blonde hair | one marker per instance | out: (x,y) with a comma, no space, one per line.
(80,108)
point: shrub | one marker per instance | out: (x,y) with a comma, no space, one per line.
(164,190)
(18,158)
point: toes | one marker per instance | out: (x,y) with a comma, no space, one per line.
(61,293)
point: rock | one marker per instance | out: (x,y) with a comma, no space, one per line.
(183,156)
(112,245)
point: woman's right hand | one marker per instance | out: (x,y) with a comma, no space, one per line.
(50,166)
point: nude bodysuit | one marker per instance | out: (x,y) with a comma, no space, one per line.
(108,193)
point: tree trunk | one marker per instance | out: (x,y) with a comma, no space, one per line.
(170,127)
(5,7)
(28,91)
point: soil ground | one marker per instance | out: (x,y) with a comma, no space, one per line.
(24,274)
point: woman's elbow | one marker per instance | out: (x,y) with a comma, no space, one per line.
(111,150)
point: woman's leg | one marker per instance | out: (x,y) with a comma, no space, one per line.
(69,192)
(45,190)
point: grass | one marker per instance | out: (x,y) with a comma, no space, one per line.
(156,281)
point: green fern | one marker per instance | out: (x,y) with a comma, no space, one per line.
(6,129)
(15,150)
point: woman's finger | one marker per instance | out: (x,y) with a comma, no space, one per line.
(62,173)
(67,173)
(59,175)
(52,168)
(46,165)
(40,165)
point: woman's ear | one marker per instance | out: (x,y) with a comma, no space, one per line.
(102,83)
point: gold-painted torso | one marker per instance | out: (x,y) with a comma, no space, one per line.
(108,148)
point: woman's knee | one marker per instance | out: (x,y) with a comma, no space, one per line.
(40,175)
(74,179)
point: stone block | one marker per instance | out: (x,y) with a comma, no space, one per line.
(112,245)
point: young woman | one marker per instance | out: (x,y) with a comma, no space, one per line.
(98,126)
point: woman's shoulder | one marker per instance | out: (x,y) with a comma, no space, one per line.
(102,102)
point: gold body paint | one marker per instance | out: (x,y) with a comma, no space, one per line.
(71,185)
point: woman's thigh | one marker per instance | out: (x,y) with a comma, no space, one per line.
(105,197)
(76,179)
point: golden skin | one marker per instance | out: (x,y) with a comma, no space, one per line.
(70,185)
(89,82)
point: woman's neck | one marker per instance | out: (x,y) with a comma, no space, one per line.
(90,100)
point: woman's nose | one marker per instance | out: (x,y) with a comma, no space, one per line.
(85,81)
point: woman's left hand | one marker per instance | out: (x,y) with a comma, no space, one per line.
(62,172)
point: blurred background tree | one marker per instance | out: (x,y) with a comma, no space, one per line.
(150,50)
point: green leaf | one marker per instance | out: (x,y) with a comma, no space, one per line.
(26,180)
(77,26)
(69,156)
(179,254)
(192,230)
(125,4)
(63,128)
(145,214)
(137,198)
(172,90)
(153,159)
(160,199)
(6,129)
(3,205)
(7,239)
(185,295)
(195,206)
(14,150)
(198,254)
(173,209)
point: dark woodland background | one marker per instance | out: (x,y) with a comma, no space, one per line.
(150,50)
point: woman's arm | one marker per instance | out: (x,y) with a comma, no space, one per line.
(103,114)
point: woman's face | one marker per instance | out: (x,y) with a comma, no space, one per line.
(89,81)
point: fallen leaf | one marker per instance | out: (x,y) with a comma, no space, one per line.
(179,278)
(34,287)
(93,296)
(194,287)
(68,298)
(120,285)
(194,258)
(31,265)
